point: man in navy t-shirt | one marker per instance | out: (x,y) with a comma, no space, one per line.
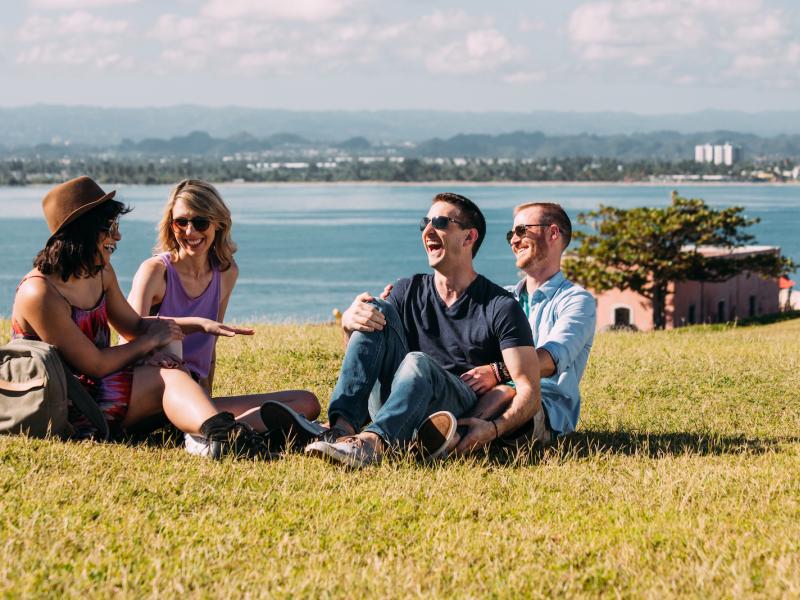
(431,329)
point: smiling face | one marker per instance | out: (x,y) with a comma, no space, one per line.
(534,246)
(107,241)
(190,240)
(449,246)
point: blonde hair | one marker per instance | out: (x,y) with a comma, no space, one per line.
(203,199)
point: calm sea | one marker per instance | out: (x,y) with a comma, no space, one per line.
(307,249)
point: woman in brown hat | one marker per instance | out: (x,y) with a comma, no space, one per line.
(72,295)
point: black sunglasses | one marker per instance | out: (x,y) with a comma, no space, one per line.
(521,230)
(439,223)
(199,223)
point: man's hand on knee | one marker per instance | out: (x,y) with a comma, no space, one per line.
(480,434)
(363,316)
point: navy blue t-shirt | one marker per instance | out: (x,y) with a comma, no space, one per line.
(483,321)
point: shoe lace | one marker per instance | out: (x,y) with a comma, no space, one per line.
(333,434)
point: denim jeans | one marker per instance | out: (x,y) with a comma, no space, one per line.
(411,384)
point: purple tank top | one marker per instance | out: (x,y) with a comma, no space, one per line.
(197,347)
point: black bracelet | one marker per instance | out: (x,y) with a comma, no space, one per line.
(502,372)
(496,432)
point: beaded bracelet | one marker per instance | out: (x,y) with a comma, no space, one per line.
(496,372)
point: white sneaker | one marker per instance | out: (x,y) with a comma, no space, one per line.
(197,445)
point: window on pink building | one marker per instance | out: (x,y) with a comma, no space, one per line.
(622,316)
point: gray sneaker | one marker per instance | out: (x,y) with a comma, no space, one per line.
(434,434)
(350,451)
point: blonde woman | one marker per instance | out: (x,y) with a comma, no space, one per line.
(190,280)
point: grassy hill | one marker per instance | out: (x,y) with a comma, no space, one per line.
(684,479)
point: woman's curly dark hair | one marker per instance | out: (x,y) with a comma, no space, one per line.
(73,250)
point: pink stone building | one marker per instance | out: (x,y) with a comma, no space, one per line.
(745,295)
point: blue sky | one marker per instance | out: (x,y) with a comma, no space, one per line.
(646,56)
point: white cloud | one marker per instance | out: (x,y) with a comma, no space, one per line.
(76,24)
(98,54)
(451,20)
(77,4)
(290,10)
(480,50)
(680,40)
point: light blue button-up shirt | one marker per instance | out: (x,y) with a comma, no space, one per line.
(562,318)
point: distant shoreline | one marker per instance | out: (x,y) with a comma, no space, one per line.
(504,183)
(450,183)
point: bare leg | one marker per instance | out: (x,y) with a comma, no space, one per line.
(246,408)
(181,398)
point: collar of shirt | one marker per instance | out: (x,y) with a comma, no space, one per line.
(545,291)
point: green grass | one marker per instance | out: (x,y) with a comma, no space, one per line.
(683,480)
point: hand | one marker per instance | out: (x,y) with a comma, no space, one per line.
(163,359)
(362,316)
(164,331)
(386,291)
(480,434)
(480,379)
(221,329)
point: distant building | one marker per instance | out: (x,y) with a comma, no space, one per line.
(689,302)
(719,154)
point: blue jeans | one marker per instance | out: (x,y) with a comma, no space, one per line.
(412,385)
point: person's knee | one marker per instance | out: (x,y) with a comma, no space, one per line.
(388,309)
(309,403)
(417,364)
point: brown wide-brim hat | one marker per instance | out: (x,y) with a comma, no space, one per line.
(68,201)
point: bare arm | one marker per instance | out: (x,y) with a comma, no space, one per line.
(149,287)
(522,364)
(46,313)
(484,378)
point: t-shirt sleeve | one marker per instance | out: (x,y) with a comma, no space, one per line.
(397,296)
(510,324)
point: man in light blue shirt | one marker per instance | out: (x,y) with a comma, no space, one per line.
(562,319)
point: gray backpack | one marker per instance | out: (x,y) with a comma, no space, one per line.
(36,387)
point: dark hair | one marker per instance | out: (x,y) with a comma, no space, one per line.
(472,215)
(554,215)
(73,250)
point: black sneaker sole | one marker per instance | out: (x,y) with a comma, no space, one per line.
(287,429)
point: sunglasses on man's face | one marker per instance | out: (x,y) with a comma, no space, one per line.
(521,230)
(199,223)
(439,223)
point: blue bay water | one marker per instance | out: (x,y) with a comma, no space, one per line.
(306,249)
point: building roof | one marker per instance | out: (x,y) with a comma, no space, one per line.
(728,251)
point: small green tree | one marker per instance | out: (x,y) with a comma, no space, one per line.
(645,249)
